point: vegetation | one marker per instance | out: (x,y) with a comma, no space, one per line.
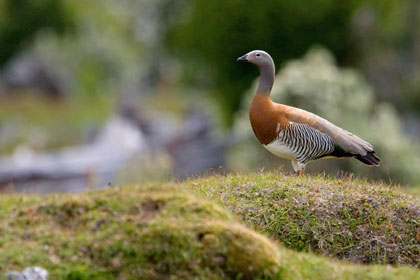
(286,29)
(151,231)
(109,47)
(344,218)
(21,20)
(161,230)
(201,39)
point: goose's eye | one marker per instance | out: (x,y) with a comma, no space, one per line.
(257,55)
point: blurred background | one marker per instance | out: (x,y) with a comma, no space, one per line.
(99,92)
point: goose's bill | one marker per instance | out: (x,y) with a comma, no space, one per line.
(242,58)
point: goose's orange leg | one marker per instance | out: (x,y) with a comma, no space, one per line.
(300,172)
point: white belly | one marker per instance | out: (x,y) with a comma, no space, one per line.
(279,149)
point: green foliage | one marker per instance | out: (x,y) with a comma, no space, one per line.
(212,34)
(387,40)
(114,48)
(167,230)
(22,19)
(316,84)
(412,92)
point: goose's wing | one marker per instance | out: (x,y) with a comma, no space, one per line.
(347,141)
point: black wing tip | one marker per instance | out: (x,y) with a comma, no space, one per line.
(370,159)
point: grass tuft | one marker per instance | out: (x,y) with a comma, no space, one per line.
(344,218)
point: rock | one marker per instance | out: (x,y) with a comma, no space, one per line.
(26,71)
(193,150)
(29,273)
(35,273)
(14,275)
(90,165)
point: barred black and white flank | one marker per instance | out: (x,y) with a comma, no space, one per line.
(305,142)
(301,144)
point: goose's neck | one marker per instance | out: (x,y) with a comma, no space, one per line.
(266,80)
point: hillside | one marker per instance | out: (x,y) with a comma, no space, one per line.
(162,230)
(344,218)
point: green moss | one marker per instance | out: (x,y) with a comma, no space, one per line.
(132,232)
(159,231)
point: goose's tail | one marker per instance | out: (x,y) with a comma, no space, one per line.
(370,159)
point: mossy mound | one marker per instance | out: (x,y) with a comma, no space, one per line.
(132,233)
(344,218)
(169,231)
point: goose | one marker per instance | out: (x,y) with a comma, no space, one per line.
(295,134)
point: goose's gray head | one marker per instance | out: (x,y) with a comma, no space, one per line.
(259,58)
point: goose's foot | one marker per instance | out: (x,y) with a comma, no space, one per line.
(298,167)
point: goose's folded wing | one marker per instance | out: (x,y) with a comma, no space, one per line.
(349,142)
